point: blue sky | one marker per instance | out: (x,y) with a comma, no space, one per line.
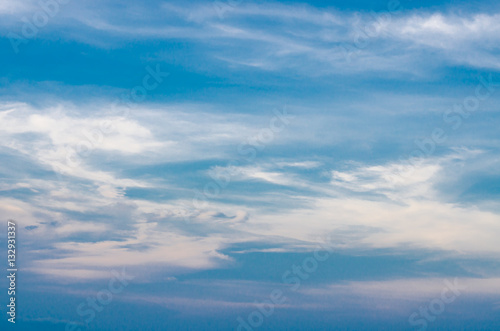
(209,149)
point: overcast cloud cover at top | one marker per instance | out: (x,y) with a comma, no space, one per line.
(208,147)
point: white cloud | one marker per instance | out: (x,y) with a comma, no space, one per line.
(12,7)
(307,39)
(402,209)
(160,248)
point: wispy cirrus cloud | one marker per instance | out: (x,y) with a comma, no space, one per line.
(401,206)
(305,38)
